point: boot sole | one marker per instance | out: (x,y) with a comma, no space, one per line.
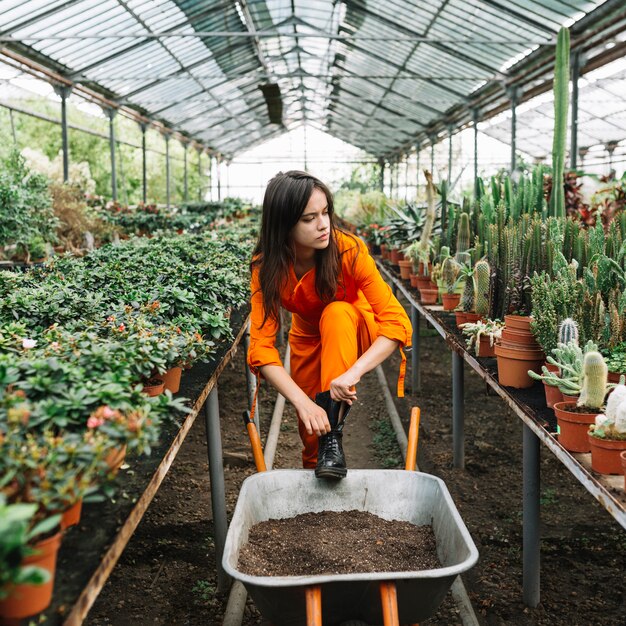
(331,472)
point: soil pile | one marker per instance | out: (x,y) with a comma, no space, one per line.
(345,542)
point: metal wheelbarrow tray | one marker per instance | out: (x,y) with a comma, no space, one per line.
(415,497)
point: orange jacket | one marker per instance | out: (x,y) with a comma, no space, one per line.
(360,284)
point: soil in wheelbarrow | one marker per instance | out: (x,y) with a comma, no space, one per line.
(337,542)
(166,576)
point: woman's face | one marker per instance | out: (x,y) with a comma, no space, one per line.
(313,227)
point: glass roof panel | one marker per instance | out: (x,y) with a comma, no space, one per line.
(401,63)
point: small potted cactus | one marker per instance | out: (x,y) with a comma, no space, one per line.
(574,418)
(466,306)
(450,273)
(607,437)
(482,335)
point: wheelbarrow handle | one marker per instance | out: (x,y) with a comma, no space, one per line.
(389,600)
(313,597)
(255,442)
(411,450)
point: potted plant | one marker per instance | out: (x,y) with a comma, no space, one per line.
(574,418)
(616,362)
(482,335)
(607,437)
(466,305)
(450,277)
(28,552)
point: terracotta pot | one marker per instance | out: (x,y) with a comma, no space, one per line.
(413,279)
(614,376)
(450,301)
(71,516)
(519,322)
(460,317)
(553,395)
(423,282)
(472,318)
(154,390)
(485,349)
(394,256)
(115,458)
(573,427)
(605,454)
(171,378)
(405,269)
(515,337)
(552,368)
(567,398)
(622,456)
(513,366)
(429,296)
(384,251)
(26,600)
(421,271)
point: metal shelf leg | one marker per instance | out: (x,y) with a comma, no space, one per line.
(216,475)
(458,411)
(416,378)
(531,532)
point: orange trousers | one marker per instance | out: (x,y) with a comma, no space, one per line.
(317,360)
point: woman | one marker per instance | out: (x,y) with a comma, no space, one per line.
(345,319)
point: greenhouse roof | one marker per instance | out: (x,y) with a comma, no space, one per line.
(230,74)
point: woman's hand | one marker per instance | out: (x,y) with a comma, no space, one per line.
(313,417)
(344,387)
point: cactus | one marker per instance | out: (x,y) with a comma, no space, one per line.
(561,103)
(595,376)
(463,234)
(482,279)
(568,331)
(449,273)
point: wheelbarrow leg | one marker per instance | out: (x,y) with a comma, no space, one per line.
(313,605)
(389,599)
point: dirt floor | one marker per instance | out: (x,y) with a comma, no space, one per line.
(166,576)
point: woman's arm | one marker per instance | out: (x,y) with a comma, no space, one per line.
(342,387)
(312,416)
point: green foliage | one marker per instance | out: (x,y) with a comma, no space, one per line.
(26,217)
(482,281)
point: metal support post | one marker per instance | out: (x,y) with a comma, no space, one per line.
(167,171)
(228,179)
(390,178)
(531,521)
(185,178)
(381,174)
(573,153)
(475,120)
(144,170)
(218,162)
(63,92)
(199,175)
(512,93)
(406,178)
(250,379)
(432,155)
(398,177)
(416,378)
(417,169)
(458,411)
(216,475)
(449,155)
(111,113)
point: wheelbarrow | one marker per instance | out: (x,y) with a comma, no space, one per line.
(389,598)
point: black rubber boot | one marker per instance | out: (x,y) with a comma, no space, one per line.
(331,462)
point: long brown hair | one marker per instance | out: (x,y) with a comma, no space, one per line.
(286,197)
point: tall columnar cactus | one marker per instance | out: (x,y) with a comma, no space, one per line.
(431,213)
(595,376)
(561,103)
(482,278)
(463,239)
(568,331)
